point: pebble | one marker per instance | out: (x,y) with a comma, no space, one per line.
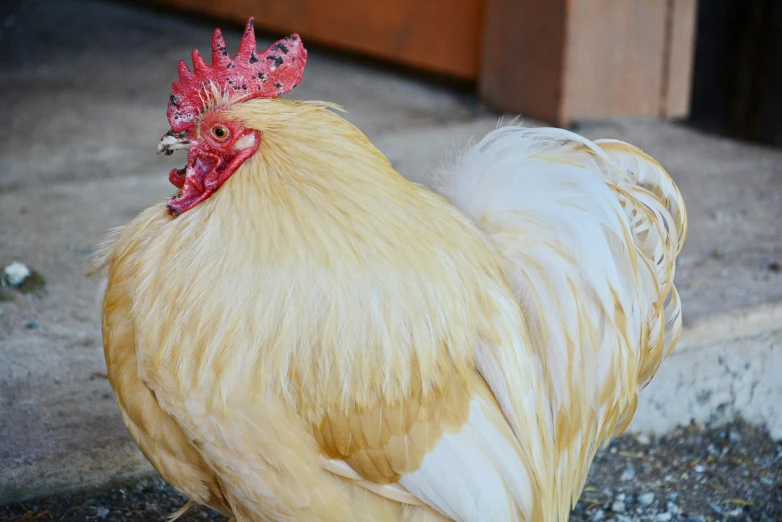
(643,439)
(646,499)
(699,469)
(597,516)
(627,474)
(16,273)
(663,517)
(673,508)
(618,507)
(32,325)
(734,437)
(101,512)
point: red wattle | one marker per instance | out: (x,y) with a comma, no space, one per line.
(177,178)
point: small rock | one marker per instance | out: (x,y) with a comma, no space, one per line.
(699,469)
(643,439)
(734,437)
(673,496)
(627,474)
(766,481)
(663,517)
(673,508)
(15,273)
(716,508)
(618,507)
(597,516)
(646,499)
(32,325)
(696,518)
(101,512)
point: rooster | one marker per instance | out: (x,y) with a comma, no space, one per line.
(300,333)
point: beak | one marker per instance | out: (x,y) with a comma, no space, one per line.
(172,141)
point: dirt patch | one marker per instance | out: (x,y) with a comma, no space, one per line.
(697,474)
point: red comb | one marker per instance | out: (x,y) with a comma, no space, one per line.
(267,75)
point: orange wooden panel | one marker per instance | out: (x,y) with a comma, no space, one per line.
(443,36)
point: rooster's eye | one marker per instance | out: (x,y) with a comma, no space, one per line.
(219,132)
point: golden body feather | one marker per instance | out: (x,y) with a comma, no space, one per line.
(312,341)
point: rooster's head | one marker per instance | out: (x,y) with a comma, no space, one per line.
(218,144)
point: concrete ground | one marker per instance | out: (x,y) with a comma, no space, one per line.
(84,87)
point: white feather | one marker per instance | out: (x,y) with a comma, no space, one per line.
(477,474)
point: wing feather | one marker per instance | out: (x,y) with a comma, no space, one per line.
(388,441)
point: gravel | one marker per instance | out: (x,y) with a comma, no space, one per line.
(697,474)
